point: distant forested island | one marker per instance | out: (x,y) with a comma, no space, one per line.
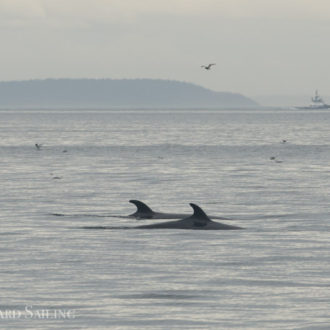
(115,93)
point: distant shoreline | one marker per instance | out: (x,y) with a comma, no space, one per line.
(116,94)
(260,109)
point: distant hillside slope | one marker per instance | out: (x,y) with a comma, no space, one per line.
(102,93)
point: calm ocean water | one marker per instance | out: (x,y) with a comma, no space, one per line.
(275,274)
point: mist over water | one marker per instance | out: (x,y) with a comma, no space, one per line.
(275,274)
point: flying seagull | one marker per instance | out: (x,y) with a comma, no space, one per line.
(207,67)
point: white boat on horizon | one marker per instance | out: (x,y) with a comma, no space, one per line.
(317,103)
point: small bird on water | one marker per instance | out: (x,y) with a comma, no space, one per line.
(207,67)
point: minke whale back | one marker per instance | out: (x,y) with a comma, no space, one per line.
(199,220)
(144,212)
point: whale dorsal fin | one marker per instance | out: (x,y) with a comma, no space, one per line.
(143,210)
(201,219)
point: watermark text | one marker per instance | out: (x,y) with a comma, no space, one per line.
(29,312)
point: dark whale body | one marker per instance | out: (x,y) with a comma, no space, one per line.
(198,221)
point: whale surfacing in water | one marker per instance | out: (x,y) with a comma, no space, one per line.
(144,212)
(199,220)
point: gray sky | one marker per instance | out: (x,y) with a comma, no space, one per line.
(260,46)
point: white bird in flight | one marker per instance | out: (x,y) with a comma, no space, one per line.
(207,67)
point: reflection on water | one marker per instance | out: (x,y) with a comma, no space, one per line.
(274,274)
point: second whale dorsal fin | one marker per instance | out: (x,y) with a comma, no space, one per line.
(201,219)
(143,210)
